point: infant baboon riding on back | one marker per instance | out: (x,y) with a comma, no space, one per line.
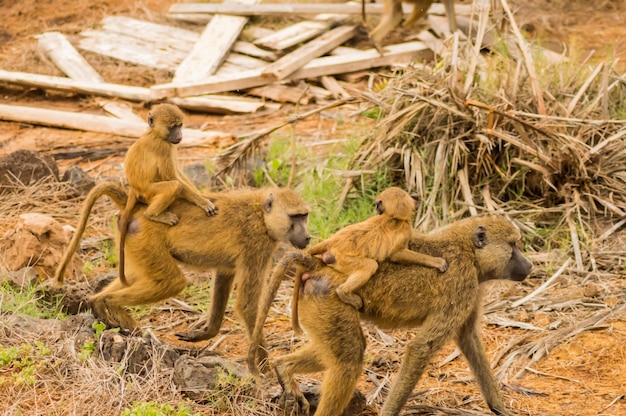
(357,249)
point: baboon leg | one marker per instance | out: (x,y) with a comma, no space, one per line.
(360,270)
(451,14)
(392,16)
(406,256)
(163,194)
(142,289)
(427,341)
(420,7)
(247,301)
(222,286)
(303,361)
(468,341)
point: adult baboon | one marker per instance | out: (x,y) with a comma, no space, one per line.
(153,174)
(357,249)
(392,16)
(442,306)
(238,244)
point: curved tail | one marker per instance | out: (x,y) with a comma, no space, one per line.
(113,190)
(301,260)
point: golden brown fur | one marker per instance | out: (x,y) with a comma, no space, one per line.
(392,16)
(153,174)
(238,244)
(356,250)
(441,306)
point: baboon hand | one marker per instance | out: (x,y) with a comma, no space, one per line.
(329,258)
(350,298)
(167,218)
(210,208)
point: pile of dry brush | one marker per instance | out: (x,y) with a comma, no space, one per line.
(490,133)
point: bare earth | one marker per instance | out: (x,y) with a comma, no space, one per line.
(584,375)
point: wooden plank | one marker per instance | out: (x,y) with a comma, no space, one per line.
(223,104)
(212,48)
(245,62)
(303,55)
(95,123)
(120,109)
(251,49)
(131,49)
(282,93)
(300,32)
(172,36)
(104,89)
(66,58)
(370,58)
(333,86)
(328,65)
(297,9)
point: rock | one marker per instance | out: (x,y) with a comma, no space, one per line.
(138,354)
(196,376)
(79,180)
(37,241)
(26,167)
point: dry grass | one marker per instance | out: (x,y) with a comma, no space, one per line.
(550,152)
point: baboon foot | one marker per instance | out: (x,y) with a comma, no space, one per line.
(442,265)
(351,299)
(501,411)
(200,334)
(295,404)
(168,218)
(209,207)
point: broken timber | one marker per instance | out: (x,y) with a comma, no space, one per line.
(328,65)
(66,58)
(212,48)
(98,124)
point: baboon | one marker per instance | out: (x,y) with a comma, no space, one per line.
(356,250)
(392,16)
(153,174)
(440,306)
(238,244)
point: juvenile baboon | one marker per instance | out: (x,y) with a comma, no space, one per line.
(357,249)
(441,307)
(392,16)
(153,174)
(238,244)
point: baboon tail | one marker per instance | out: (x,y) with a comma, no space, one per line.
(113,190)
(269,293)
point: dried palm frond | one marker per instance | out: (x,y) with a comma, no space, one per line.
(492,150)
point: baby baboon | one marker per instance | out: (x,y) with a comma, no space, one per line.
(153,174)
(441,306)
(238,244)
(392,16)
(357,249)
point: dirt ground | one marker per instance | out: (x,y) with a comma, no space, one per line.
(584,375)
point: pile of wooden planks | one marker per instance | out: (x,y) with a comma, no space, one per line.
(259,72)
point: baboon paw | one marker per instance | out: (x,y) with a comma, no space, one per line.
(443,265)
(210,208)
(296,405)
(351,299)
(167,218)
(194,336)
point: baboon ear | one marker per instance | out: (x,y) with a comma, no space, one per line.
(416,199)
(267,206)
(480,237)
(150,120)
(379,207)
